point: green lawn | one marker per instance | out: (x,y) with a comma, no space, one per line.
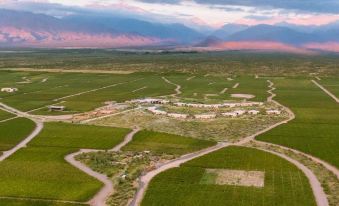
(285,185)
(40,171)
(15,202)
(165,143)
(5,115)
(13,131)
(315,129)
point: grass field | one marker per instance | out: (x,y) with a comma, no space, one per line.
(40,171)
(161,143)
(43,89)
(5,115)
(285,185)
(12,202)
(13,131)
(315,129)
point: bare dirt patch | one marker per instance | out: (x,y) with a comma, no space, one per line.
(244,96)
(236,177)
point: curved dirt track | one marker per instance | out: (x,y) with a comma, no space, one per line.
(177,89)
(317,189)
(100,198)
(145,179)
(24,142)
(328,166)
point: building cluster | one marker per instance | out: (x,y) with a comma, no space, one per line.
(235,113)
(150,101)
(216,106)
(9,89)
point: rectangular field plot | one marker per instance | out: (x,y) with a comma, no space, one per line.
(40,171)
(315,130)
(165,143)
(233,177)
(5,115)
(284,184)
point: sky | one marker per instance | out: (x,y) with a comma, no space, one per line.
(199,13)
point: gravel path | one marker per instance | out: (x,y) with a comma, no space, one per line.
(23,143)
(317,189)
(177,89)
(100,198)
(326,91)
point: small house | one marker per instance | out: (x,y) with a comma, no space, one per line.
(56,108)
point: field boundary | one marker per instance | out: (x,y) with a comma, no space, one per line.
(318,191)
(326,91)
(24,142)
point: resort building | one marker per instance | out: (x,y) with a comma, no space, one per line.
(205,116)
(273,111)
(9,90)
(253,112)
(56,108)
(177,115)
(150,101)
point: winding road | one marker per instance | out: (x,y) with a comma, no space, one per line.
(24,142)
(177,89)
(100,198)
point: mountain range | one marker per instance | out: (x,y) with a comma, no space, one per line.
(25,29)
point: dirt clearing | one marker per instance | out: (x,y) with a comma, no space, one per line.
(234,177)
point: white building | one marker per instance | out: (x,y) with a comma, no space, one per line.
(273,111)
(240,112)
(56,108)
(253,112)
(150,101)
(9,89)
(229,114)
(177,115)
(205,116)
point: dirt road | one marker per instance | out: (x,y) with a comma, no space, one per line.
(326,91)
(177,89)
(100,198)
